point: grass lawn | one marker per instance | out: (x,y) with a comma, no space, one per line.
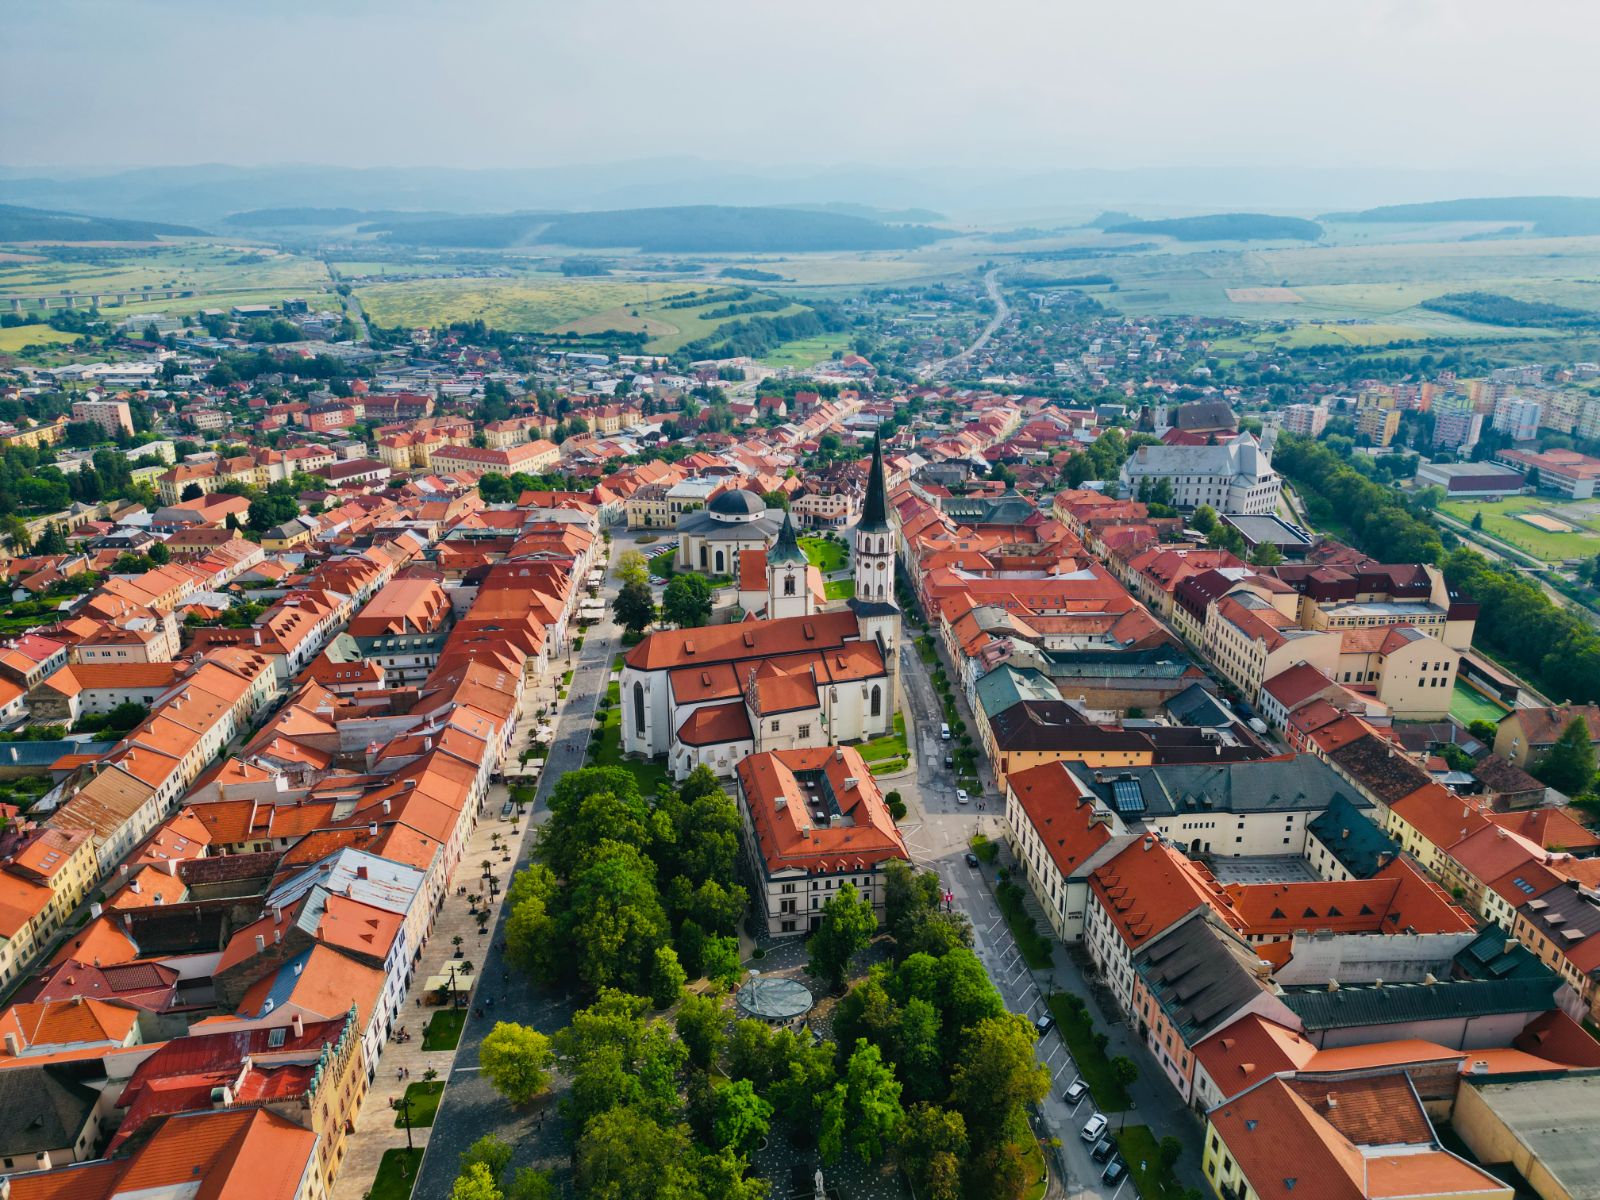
(826,556)
(424,1098)
(15,338)
(1468,704)
(925,650)
(1033,1166)
(807,352)
(839,589)
(397,1175)
(1501,521)
(444,1029)
(890,745)
(1154,1181)
(651,775)
(1077,1030)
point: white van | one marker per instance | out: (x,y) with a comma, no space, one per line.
(944,731)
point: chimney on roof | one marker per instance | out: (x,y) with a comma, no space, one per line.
(1333,1101)
(1509,945)
(12,1048)
(277,914)
(1333,985)
(386,806)
(95,910)
(1149,842)
(261,942)
(277,937)
(372,829)
(298,1025)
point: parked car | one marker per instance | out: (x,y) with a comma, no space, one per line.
(949,762)
(507,809)
(1075,1092)
(961,796)
(972,859)
(1044,1024)
(1103,1149)
(944,731)
(1093,1128)
(1114,1171)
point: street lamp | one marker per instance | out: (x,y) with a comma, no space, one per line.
(403,1107)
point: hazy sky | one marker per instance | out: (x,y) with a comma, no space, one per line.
(1376,83)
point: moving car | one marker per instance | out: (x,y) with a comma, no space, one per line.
(972,859)
(1093,1128)
(1075,1092)
(961,796)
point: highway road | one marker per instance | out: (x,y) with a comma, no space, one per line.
(1002,310)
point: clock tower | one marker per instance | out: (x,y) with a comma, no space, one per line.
(874,604)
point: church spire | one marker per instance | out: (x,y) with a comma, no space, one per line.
(787,548)
(875,509)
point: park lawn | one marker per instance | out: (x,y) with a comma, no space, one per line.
(650,774)
(1077,1030)
(1468,704)
(424,1097)
(890,745)
(826,556)
(839,589)
(397,1175)
(444,1029)
(1500,521)
(1141,1152)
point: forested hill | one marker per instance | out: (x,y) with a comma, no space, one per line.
(1227,227)
(694,229)
(1555,216)
(44,225)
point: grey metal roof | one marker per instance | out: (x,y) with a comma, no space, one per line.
(703,524)
(1200,978)
(1396,1004)
(1558,1120)
(1196,706)
(1302,784)
(1352,838)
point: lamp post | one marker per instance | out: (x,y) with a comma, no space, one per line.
(403,1106)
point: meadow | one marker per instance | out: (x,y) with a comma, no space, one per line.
(1500,520)
(807,352)
(527,305)
(14,339)
(202,266)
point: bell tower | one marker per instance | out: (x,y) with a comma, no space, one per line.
(788,576)
(877,613)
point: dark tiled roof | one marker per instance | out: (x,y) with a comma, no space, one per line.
(42,1108)
(1352,838)
(1381,767)
(1200,978)
(1284,785)
(1398,1004)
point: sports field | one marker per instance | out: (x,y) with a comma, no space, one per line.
(1546,528)
(1468,704)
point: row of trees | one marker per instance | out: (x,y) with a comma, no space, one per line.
(1378,519)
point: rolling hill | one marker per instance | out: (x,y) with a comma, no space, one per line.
(1226,227)
(45,225)
(1554,216)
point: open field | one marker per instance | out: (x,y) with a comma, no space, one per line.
(532,306)
(14,339)
(1509,521)
(206,266)
(807,352)
(669,328)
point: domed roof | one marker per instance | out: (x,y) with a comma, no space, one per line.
(737,504)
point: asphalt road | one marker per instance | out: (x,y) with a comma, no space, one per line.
(1002,310)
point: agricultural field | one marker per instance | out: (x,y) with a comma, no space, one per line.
(12,340)
(669,328)
(528,305)
(1548,529)
(807,352)
(204,267)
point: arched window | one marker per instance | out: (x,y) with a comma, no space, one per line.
(720,561)
(788,585)
(638,708)
(877,700)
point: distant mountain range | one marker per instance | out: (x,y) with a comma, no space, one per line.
(1226,227)
(205,194)
(1553,216)
(44,225)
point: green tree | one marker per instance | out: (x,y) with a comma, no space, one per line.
(491,1152)
(701,1024)
(1484,731)
(686,602)
(719,958)
(625,1153)
(614,920)
(589,806)
(1477,520)
(777,498)
(847,926)
(933,1143)
(1569,765)
(1265,555)
(634,606)
(666,978)
(1124,1070)
(529,1184)
(863,1109)
(476,1183)
(632,566)
(159,554)
(996,1077)
(516,1059)
(1171,1150)
(533,935)
(51,541)
(742,1117)
(1204,520)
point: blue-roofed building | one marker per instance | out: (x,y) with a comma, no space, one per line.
(1344,843)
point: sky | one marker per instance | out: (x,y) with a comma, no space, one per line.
(1436,84)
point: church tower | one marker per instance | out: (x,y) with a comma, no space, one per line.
(876,611)
(788,584)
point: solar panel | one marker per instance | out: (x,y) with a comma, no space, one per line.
(1127,796)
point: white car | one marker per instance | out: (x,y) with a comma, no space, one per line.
(1095,1126)
(961,796)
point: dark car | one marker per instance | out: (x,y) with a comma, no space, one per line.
(1076,1092)
(949,761)
(1115,1170)
(1103,1149)
(972,859)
